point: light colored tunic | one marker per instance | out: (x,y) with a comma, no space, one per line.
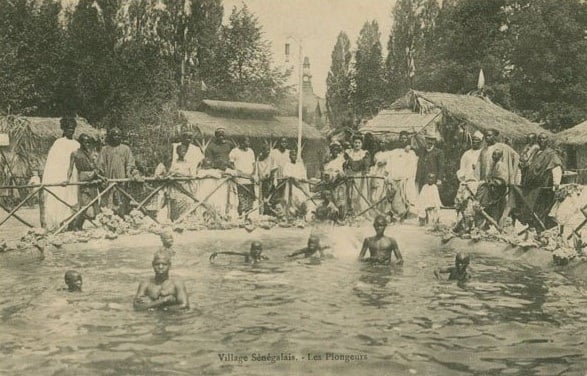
(55,171)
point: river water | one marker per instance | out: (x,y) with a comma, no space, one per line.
(511,318)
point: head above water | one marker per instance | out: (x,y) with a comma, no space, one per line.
(73,280)
(462,260)
(379,224)
(313,242)
(256,248)
(166,239)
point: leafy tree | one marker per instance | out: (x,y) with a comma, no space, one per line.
(368,78)
(90,67)
(549,59)
(339,84)
(410,42)
(31,41)
(242,65)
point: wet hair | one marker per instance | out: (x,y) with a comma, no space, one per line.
(71,275)
(162,254)
(381,219)
(67,122)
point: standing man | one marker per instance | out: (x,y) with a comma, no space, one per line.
(528,153)
(543,178)
(431,161)
(85,166)
(243,159)
(469,167)
(279,157)
(218,150)
(116,162)
(193,155)
(402,165)
(56,168)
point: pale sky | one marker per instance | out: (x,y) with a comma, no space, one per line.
(319,23)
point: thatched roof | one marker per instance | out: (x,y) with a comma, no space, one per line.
(477,112)
(279,126)
(573,136)
(51,127)
(239,109)
(392,122)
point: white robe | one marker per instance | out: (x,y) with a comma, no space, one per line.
(55,171)
(401,168)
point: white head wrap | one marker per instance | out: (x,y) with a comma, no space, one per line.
(478,135)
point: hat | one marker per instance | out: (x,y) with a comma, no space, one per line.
(430,136)
(478,135)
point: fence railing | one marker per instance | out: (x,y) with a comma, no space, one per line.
(150,187)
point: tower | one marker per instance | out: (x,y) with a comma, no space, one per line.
(307,78)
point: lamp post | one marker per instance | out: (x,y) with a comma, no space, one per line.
(300,92)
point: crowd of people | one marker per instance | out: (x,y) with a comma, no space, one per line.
(495,181)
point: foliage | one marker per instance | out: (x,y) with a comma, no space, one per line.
(31,41)
(339,84)
(368,76)
(243,66)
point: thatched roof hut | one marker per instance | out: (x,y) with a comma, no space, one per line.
(419,112)
(261,124)
(30,141)
(453,118)
(574,141)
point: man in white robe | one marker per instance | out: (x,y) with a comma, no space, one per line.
(401,173)
(55,172)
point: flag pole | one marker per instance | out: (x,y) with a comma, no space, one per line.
(300,101)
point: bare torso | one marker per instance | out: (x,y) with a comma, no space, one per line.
(380,249)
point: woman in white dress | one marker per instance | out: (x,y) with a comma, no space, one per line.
(356,168)
(55,172)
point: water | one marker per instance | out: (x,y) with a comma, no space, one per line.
(510,319)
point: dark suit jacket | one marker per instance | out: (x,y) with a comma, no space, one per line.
(430,162)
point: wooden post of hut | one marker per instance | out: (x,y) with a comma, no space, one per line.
(42,208)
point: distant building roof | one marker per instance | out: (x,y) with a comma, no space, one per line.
(277,126)
(573,136)
(396,121)
(238,109)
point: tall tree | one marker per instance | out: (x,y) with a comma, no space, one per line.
(243,63)
(549,59)
(368,78)
(411,38)
(31,41)
(339,84)
(90,68)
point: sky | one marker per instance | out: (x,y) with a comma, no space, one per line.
(318,22)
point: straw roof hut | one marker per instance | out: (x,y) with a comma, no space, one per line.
(30,141)
(420,112)
(574,141)
(261,124)
(453,118)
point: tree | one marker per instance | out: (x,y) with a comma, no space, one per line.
(31,41)
(243,63)
(90,69)
(368,77)
(339,84)
(549,59)
(411,39)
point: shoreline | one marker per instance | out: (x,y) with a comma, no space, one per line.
(533,256)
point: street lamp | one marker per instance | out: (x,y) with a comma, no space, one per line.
(300,94)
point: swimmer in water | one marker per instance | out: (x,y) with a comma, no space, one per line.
(457,272)
(73,280)
(161,292)
(167,242)
(313,249)
(380,246)
(253,257)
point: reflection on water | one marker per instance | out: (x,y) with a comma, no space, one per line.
(510,318)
